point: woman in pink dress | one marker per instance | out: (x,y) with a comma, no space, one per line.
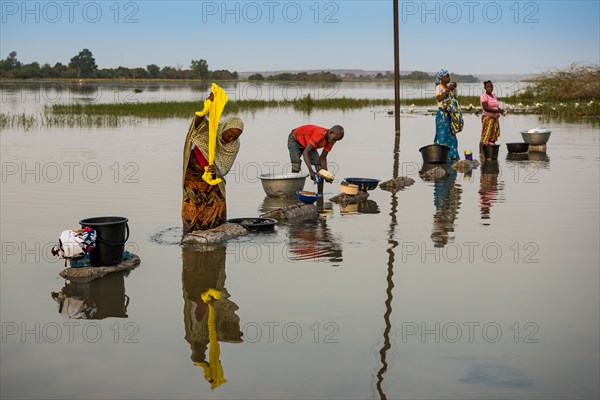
(490,131)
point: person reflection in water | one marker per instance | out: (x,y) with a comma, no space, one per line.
(447,203)
(488,187)
(208,314)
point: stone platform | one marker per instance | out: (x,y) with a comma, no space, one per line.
(84,274)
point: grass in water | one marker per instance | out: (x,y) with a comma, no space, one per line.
(184,109)
(570,94)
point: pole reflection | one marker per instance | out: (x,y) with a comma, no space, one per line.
(387,345)
(389,297)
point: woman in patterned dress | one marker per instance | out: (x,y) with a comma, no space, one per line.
(448,119)
(204,205)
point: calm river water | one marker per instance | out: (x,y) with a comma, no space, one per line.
(480,286)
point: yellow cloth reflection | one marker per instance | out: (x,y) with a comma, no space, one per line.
(213,370)
(214,109)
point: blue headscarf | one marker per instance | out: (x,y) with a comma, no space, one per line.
(439,76)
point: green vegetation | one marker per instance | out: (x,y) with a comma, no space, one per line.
(304,77)
(465,101)
(256,77)
(84,63)
(184,109)
(118,114)
(574,91)
(83,66)
(414,76)
(576,83)
(17,120)
(48,120)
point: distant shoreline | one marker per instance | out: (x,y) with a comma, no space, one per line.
(208,82)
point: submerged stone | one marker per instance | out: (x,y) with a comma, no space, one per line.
(216,235)
(433,173)
(397,183)
(292,211)
(344,198)
(465,165)
(90,273)
(537,148)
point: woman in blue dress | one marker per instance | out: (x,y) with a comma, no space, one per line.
(448,119)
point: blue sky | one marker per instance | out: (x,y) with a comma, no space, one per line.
(461,36)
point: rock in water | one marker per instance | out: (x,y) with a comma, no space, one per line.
(537,148)
(397,183)
(432,174)
(85,274)
(465,165)
(344,198)
(216,235)
(292,211)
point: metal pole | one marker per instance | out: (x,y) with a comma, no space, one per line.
(396,89)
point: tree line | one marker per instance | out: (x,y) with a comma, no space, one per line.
(414,76)
(83,65)
(298,77)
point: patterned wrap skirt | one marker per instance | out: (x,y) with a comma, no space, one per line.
(490,129)
(444,135)
(204,205)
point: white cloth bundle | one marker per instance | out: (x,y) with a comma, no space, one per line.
(539,130)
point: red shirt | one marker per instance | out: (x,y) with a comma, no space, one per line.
(314,135)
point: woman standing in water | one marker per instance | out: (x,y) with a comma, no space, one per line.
(448,119)
(204,204)
(490,129)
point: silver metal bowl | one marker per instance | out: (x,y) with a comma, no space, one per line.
(536,138)
(283,185)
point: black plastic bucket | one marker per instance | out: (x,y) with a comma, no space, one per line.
(490,151)
(111,235)
(517,147)
(435,153)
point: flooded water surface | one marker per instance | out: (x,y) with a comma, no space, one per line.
(472,285)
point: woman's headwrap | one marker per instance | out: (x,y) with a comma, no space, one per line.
(439,76)
(231,123)
(225,152)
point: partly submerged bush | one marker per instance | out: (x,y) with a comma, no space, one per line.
(577,82)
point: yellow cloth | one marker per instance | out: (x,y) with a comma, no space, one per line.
(206,296)
(225,153)
(214,109)
(213,370)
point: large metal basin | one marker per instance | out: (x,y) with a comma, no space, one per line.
(536,138)
(283,185)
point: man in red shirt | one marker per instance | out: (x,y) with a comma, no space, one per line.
(304,142)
